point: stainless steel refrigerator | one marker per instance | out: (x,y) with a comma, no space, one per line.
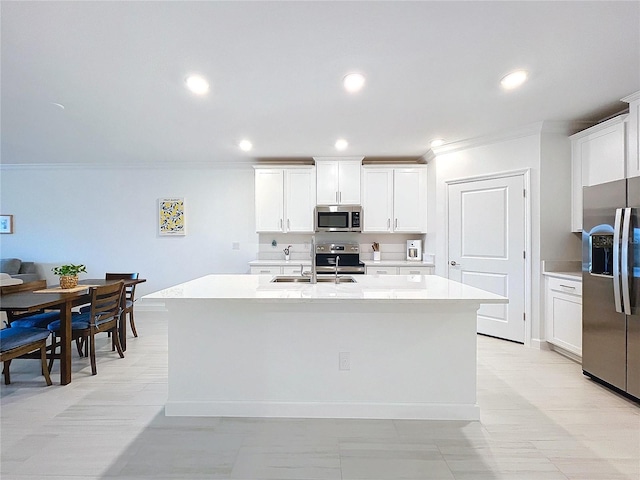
(611,284)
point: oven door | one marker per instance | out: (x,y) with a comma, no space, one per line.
(337,221)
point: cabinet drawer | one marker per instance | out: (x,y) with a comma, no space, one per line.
(571,287)
(266,270)
(415,270)
(294,270)
(373,270)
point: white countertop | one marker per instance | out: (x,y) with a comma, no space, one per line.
(294,262)
(377,288)
(397,263)
(575,276)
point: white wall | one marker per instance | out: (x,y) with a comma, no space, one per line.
(107,219)
(548,157)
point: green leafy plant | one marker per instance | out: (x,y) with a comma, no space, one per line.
(69,270)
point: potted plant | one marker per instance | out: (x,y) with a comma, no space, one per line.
(69,274)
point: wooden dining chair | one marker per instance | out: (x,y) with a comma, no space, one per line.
(37,319)
(130,293)
(103,316)
(18,342)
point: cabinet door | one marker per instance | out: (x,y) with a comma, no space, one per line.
(564,314)
(327,183)
(633,135)
(603,155)
(377,199)
(409,200)
(300,190)
(269,198)
(349,182)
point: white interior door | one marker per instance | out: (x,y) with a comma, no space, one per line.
(487,247)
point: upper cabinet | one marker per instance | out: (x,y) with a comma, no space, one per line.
(394,199)
(284,199)
(338,180)
(633,135)
(597,156)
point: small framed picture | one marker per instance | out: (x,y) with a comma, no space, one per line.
(171,221)
(6,223)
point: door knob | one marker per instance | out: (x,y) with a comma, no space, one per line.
(453,263)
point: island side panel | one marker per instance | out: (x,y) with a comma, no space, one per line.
(281,359)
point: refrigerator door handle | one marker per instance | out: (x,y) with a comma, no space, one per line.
(624,261)
(616,261)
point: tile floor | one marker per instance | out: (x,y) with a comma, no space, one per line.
(541,420)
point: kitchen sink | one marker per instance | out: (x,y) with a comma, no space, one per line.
(298,279)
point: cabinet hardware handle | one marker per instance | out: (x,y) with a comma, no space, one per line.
(381,271)
(414,272)
(336,197)
(265,271)
(339,197)
(388,223)
(280,224)
(288,224)
(568,286)
(396,224)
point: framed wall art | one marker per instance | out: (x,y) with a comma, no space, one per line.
(171,216)
(6,223)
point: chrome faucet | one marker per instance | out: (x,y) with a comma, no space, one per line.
(314,273)
(337,261)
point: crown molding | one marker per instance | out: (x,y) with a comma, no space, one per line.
(128,166)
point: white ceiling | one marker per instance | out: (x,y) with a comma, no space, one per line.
(275,69)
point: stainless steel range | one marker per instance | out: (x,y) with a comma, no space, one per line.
(345,256)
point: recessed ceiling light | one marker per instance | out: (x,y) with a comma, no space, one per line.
(341,144)
(197,84)
(514,79)
(436,142)
(245,145)
(353,82)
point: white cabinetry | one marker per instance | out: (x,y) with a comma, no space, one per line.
(633,135)
(394,199)
(292,269)
(285,199)
(597,156)
(563,314)
(392,270)
(338,180)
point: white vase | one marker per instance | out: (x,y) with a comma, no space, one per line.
(376,256)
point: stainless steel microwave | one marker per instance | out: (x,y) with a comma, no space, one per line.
(338,218)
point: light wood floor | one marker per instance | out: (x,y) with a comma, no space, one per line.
(541,420)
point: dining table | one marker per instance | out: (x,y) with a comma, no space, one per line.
(55,299)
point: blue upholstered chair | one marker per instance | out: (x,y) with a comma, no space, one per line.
(29,319)
(103,316)
(17,342)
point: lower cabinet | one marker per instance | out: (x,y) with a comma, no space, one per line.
(406,270)
(563,314)
(278,269)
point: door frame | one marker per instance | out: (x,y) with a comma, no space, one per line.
(526,180)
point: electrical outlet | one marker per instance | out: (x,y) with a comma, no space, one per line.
(344,361)
(235,246)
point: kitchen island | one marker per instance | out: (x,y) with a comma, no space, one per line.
(389,346)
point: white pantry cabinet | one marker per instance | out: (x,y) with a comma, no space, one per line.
(563,315)
(338,180)
(633,135)
(285,199)
(394,199)
(597,156)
